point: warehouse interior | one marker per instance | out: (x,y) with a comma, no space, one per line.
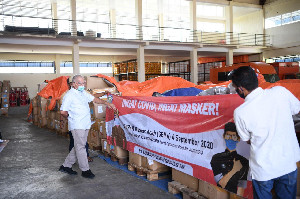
(135,40)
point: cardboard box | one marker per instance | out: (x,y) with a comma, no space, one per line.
(119,152)
(42,121)
(94,82)
(4,95)
(34,101)
(64,125)
(42,112)
(57,125)
(42,102)
(52,114)
(5,89)
(154,165)
(35,110)
(6,83)
(35,119)
(57,115)
(105,146)
(102,129)
(118,137)
(212,191)
(102,90)
(185,179)
(98,111)
(3,111)
(135,159)
(5,100)
(48,123)
(4,105)
(95,138)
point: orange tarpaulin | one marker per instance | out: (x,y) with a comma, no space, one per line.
(159,84)
(55,89)
(164,83)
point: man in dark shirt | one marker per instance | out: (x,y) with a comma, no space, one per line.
(230,169)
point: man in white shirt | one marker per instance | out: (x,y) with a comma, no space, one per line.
(75,107)
(265,121)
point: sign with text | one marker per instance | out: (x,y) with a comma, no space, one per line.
(181,132)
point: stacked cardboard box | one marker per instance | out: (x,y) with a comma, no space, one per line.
(97,136)
(50,117)
(137,161)
(5,89)
(35,110)
(42,112)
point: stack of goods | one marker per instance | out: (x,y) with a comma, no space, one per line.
(132,67)
(153,67)
(123,68)
(5,88)
(42,111)
(60,122)
(35,111)
(51,115)
(145,166)
(191,186)
(97,134)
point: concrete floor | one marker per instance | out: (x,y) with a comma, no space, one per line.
(29,168)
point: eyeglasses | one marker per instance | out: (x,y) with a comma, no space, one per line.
(232,137)
(80,83)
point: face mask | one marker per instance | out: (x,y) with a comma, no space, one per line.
(240,94)
(80,88)
(231,144)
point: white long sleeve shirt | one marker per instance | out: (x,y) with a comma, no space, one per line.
(77,104)
(265,118)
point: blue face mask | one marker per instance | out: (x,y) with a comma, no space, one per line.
(231,144)
(80,88)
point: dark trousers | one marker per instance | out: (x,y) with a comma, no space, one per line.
(72,144)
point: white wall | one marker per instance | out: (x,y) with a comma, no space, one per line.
(251,23)
(285,39)
(280,7)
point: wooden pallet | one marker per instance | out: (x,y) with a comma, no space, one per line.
(121,161)
(151,175)
(175,188)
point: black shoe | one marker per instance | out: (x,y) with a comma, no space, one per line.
(67,170)
(87,174)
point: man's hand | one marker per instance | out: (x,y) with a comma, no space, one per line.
(237,165)
(64,114)
(110,105)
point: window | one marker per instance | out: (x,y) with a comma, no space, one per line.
(150,20)
(26,66)
(93,16)
(87,67)
(26,13)
(126,20)
(176,20)
(210,11)
(280,20)
(211,27)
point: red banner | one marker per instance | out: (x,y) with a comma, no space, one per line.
(184,133)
